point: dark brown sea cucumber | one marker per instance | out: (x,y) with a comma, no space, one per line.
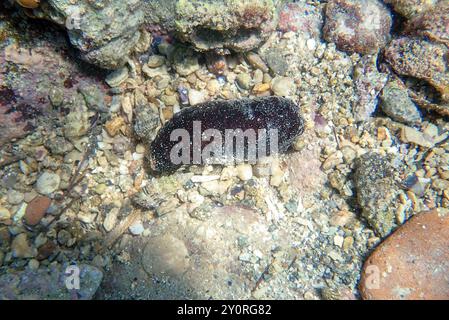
(267,114)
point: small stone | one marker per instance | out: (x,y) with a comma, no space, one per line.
(156,61)
(4,214)
(20,212)
(338,240)
(196,97)
(15,197)
(244,81)
(100,188)
(137,228)
(341,218)
(256,61)
(114,125)
(116,78)
(283,86)
(411,264)
(33,264)
(2,257)
(36,210)
(397,104)
(47,183)
(64,237)
(377,191)
(261,88)
(111,219)
(185,61)
(411,135)
(21,248)
(244,171)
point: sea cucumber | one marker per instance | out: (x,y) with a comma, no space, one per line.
(226,131)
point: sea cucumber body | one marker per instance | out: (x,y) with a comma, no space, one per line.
(260,113)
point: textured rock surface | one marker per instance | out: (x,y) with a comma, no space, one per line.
(369,82)
(104,32)
(361,26)
(49,284)
(397,104)
(376,191)
(421,59)
(218,24)
(410,8)
(413,263)
(432,24)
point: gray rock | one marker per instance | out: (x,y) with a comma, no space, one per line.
(217,24)
(47,183)
(397,104)
(377,191)
(104,32)
(49,283)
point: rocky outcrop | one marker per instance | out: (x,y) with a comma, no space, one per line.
(218,24)
(104,32)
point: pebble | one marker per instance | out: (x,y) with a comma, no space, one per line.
(244,171)
(20,212)
(114,125)
(4,214)
(137,228)
(33,264)
(397,104)
(411,135)
(419,270)
(116,78)
(338,240)
(111,219)
(244,81)
(156,61)
(261,88)
(283,86)
(36,210)
(15,197)
(47,183)
(196,97)
(2,256)
(256,61)
(64,237)
(21,248)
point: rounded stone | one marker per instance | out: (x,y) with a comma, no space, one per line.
(361,26)
(4,214)
(15,197)
(244,171)
(36,210)
(413,263)
(47,183)
(283,86)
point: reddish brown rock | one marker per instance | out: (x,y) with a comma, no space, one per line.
(432,24)
(361,26)
(413,263)
(36,210)
(421,59)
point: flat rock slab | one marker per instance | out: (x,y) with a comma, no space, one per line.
(413,263)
